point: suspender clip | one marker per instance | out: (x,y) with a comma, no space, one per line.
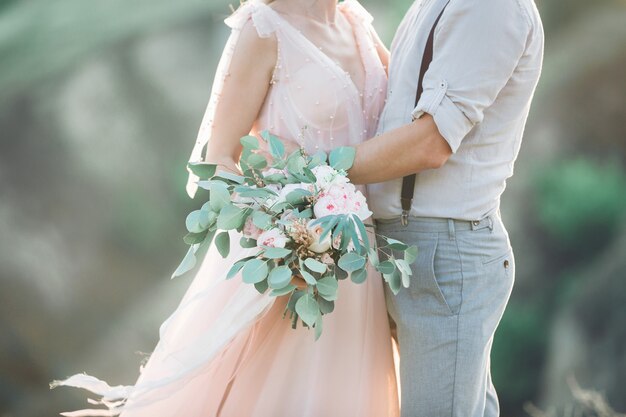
(405,218)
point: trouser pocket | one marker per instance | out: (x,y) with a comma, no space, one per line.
(438,280)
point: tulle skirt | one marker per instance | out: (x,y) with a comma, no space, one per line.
(227,351)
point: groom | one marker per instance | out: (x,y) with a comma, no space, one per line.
(474,65)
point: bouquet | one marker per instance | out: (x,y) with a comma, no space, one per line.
(305,220)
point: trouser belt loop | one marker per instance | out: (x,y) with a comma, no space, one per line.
(451,229)
(491,223)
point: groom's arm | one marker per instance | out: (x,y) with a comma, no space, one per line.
(477,46)
(412,148)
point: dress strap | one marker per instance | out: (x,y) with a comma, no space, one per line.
(357,10)
(262,18)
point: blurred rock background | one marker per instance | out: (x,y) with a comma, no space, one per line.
(100,102)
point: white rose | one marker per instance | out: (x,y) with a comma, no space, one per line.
(316,232)
(273,238)
(327,177)
(293,187)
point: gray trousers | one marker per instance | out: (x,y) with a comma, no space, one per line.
(446,319)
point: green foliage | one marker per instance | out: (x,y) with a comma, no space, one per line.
(254,271)
(519,352)
(351,261)
(580,203)
(342,158)
(308,309)
(233,199)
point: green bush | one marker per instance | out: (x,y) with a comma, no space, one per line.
(518,354)
(580,203)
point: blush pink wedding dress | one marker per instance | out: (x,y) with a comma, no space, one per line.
(226,351)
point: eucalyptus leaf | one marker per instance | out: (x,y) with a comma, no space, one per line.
(276,253)
(326,306)
(222,242)
(283,291)
(318,158)
(249,142)
(297,196)
(394,281)
(255,270)
(280,277)
(359,276)
(247,243)
(327,288)
(362,231)
(231,217)
(230,177)
(256,161)
(304,214)
(293,299)
(197,221)
(351,261)
(235,269)
(245,191)
(191,238)
(396,244)
(310,279)
(315,265)
(261,287)
(340,273)
(308,309)
(202,170)
(386,267)
(262,220)
(405,271)
(373,257)
(410,254)
(220,196)
(295,163)
(187,264)
(318,325)
(342,157)
(277,149)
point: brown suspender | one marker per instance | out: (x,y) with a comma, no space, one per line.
(408,182)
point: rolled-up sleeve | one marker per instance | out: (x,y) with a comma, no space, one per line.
(477,46)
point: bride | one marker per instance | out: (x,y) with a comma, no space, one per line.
(312,72)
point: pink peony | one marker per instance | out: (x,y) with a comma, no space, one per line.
(326,206)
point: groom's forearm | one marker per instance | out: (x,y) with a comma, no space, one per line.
(409,149)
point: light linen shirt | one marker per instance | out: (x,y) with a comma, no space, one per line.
(486,64)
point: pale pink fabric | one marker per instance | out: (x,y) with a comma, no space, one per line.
(226,351)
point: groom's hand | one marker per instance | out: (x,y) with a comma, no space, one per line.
(409,149)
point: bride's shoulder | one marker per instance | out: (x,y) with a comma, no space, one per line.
(254,14)
(357,10)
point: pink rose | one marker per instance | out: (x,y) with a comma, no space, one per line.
(327,259)
(250,230)
(273,238)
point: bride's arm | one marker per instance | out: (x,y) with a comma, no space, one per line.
(242,96)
